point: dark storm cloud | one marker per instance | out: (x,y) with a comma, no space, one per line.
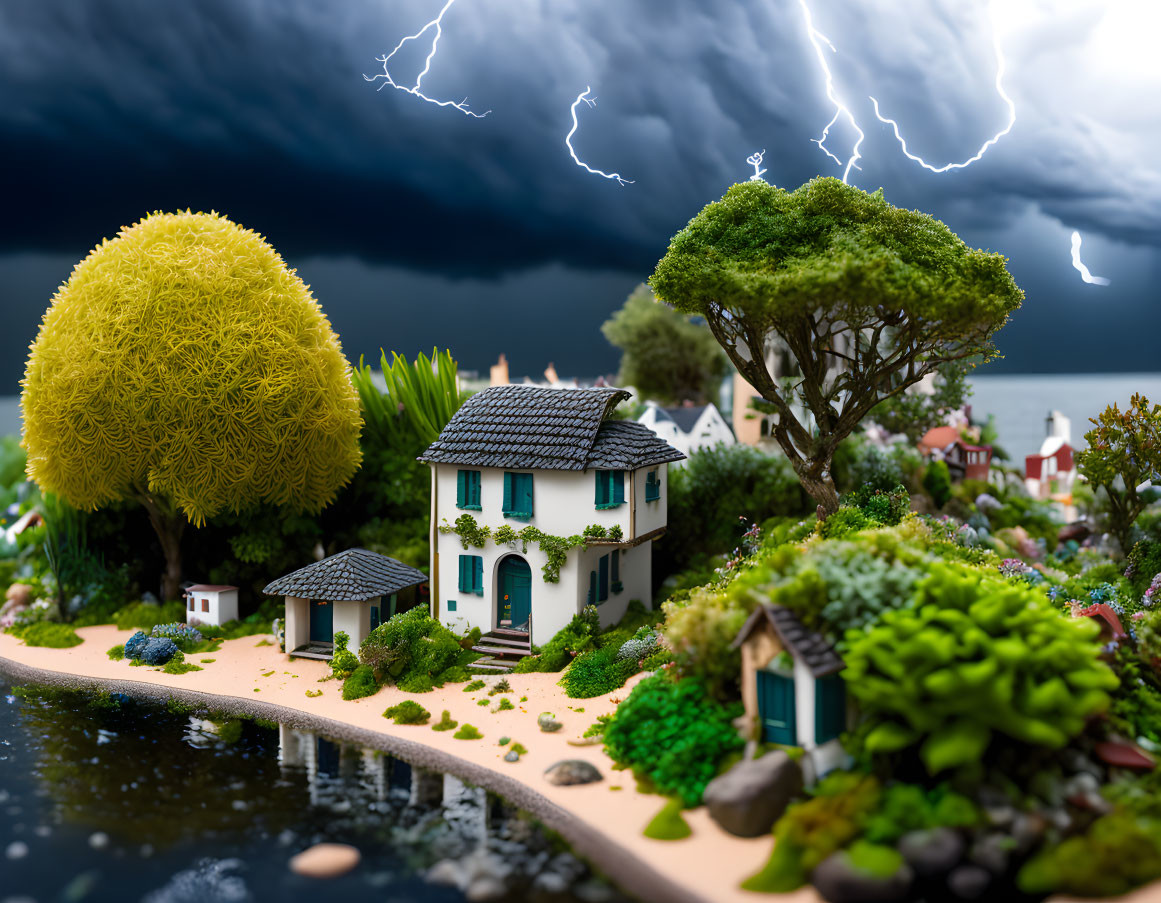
(258,108)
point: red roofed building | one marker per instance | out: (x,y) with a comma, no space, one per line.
(965,462)
(1052,473)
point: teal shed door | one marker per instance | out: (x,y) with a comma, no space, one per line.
(515,602)
(776,708)
(322,621)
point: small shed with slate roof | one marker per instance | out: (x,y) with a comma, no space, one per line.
(792,690)
(353,591)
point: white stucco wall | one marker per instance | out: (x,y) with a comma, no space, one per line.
(564,503)
(222,606)
(804,705)
(297,622)
(355,619)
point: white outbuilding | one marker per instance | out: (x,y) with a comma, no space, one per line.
(207,603)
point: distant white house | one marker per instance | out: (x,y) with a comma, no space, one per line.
(211,604)
(688,428)
(1052,473)
(518,456)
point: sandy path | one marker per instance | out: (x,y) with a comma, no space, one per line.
(706,866)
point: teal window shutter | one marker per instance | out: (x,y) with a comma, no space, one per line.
(508,492)
(518,495)
(618,478)
(603,585)
(592,587)
(830,707)
(468,490)
(526,495)
(602,487)
(478,575)
(652,486)
(610,488)
(616,565)
(465,573)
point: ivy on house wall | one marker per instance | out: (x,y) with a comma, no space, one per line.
(555,548)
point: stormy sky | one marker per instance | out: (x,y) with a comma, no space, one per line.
(416,225)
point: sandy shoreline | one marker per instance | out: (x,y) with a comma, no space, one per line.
(603,825)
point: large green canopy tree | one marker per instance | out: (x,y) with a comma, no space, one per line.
(866,299)
(664,356)
(185,366)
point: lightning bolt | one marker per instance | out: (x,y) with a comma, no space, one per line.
(1081,268)
(592,102)
(840,108)
(755,160)
(987,144)
(462,106)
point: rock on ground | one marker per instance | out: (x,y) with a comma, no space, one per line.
(572,771)
(840,882)
(325,860)
(751,796)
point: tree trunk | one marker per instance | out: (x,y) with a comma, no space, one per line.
(169,525)
(816,479)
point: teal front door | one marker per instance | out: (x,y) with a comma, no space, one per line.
(515,589)
(322,621)
(776,708)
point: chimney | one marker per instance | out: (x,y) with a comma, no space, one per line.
(550,374)
(500,372)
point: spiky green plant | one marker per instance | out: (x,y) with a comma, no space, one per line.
(185,366)
(419,399)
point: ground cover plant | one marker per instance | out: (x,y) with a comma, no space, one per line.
(416,652)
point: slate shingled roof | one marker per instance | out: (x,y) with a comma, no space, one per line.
(350,576)
(532,428)
(685,417)
(627,445)
(816,653)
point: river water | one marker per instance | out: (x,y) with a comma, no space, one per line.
(107,798)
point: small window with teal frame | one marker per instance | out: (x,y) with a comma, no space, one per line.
(610,488)
(830,707)
(652,486)
(518,495)
(472,574)
(602,579)
(468,490)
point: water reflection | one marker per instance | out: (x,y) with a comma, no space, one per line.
(108,798)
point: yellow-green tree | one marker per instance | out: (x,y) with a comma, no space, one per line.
(185,366)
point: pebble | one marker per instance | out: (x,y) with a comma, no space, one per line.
(572,771)
(548,723)
(511,756)
(18,849)
(325,860)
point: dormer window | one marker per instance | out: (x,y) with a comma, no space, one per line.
(610,488)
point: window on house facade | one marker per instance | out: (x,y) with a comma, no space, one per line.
(615,571)
(517,495)
(472,574)
(468,490)
(206,604)
(652,485)
(603,579)
(610,488)
(592,600)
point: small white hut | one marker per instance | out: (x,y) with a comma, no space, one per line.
(207,603)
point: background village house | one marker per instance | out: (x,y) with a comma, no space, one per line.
(353,591)
(211,604)
(964,461)
(688,428)
(551,459)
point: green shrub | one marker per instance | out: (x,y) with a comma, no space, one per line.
(445,722)
(473,686)
(178,664)
(48,633)
(885,507)
(596,673)
(505,705)
(1118,853)
(597,728)
(908,807)
(344,662)
(408,712)
(673,733)
(937,482)
(468,732)
(575,637)
(874,859)
(143,616)
(117,653)
(360,683)
(502,686)
(860,585)
(843,522)
(668,824)
(1144,563)
(414,650)
(976,656)
(810,831)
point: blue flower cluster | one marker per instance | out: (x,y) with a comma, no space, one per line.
(184,636)
(151,650)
